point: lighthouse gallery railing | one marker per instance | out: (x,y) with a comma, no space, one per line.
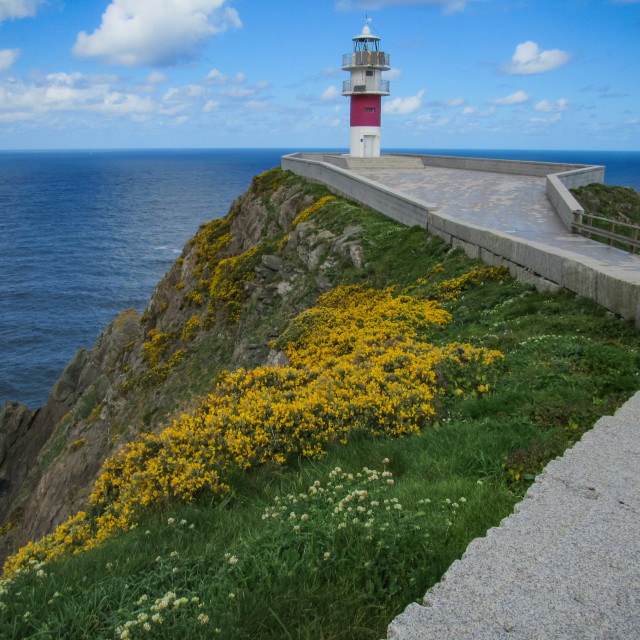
(365,88)
(366,59)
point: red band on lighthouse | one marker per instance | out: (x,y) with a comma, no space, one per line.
(365,110)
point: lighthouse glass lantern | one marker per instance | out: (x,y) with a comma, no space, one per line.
(365,90)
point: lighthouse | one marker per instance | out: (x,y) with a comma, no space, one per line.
(365,89)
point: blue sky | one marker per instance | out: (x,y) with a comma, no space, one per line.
(504,74)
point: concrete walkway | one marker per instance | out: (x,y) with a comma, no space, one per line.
(565,565)
(513,204)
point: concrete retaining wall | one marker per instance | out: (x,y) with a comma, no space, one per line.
(513,167)
(541,265)
(558,185)
(402,208)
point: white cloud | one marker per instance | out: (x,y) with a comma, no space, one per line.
(553,107)
(156,77)
(16,116)
(147,32)
(69,92)
(515,98)
(330,93)
(212,105)
(392,74)
(454,102)
(61,78)
(10,9)
(243,92)
(235,92)
(555,118)
(633,120)
(468,110)
(528,59)
(175,101)
(217,78)
(7,58)
(448,6)
(403,106)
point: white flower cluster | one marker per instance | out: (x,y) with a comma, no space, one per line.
(164,605)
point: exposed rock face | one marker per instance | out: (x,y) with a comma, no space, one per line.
(145,370)
(15,420)
(29,492)
(66,387)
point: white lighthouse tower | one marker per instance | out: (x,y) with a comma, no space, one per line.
(365,88)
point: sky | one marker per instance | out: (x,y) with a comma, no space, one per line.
(466,74)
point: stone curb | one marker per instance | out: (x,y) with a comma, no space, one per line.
(564,565)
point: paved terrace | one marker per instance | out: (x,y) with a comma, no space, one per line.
(566,564)
(514,204)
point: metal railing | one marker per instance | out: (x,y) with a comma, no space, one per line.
(363,88)
(366,59)
(622,233)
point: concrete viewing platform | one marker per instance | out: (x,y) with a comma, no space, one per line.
(504,212)
(513,204)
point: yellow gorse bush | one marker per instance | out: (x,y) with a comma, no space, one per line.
(361,359)
(314,208)
(191,328)
(227,283)
(156,346)
(452,289)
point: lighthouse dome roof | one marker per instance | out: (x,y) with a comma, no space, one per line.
(366,35)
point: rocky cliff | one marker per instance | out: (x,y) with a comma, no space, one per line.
(228,295)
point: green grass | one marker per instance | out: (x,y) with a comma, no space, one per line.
(282,582)
(567,362)
(615,204)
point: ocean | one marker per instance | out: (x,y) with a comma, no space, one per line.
(87,234)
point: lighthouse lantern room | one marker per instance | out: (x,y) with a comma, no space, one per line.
(365,89)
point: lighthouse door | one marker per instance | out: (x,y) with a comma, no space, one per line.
(369,146)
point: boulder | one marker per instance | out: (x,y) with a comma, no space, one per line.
(277,359)
(272,262)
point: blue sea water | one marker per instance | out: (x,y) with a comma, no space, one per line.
(86,234)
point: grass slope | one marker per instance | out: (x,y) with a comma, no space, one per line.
(615,203)
(231,569)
